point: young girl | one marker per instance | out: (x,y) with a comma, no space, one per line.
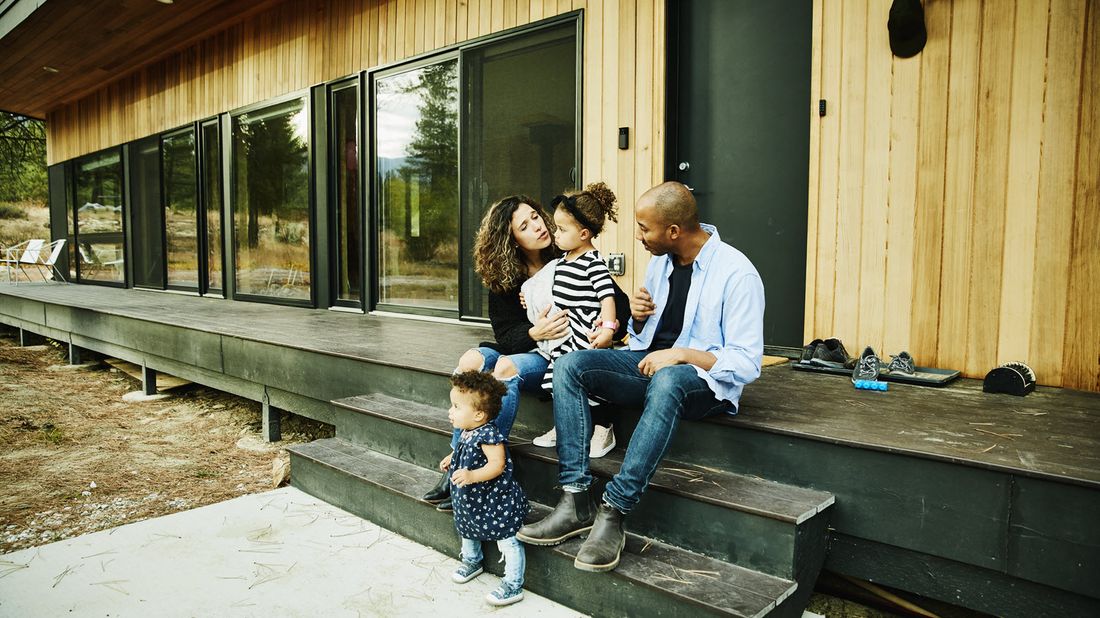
(489,505)
(583,286)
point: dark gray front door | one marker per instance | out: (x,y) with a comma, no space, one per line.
(739,96)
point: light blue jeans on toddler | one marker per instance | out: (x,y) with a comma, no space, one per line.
(515,560)
(530,366)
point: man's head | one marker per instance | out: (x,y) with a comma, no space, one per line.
(665,215)
(475,399)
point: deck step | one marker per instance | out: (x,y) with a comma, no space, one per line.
(742,519)
(653,577)
(736,491)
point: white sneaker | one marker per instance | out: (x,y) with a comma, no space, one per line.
(547,440)
(603,440)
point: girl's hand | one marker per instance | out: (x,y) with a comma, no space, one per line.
(445,463)
(461,478)
(601,338)
(550,326)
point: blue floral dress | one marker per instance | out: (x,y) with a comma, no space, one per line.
(489,511)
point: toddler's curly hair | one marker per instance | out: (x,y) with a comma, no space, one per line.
(488,390)
(596,204)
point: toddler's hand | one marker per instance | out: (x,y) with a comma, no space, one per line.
(445,462)
(461,477)
(601,338)
(522,301)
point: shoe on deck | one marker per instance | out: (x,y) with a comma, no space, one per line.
(808,351)
(465,572)
(446,506)
(902,363)
(603,441)
(830,353)
(867,368)
(547,440)
(504,595)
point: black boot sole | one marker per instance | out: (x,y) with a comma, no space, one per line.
(555,541)
(601,568)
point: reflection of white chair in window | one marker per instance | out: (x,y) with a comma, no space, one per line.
(48,259)
(27,251)
(92,262)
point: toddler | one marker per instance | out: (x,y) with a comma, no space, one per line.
(582,286)
(489,505)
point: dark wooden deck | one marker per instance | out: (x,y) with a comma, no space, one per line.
(1053,433)
(985,500)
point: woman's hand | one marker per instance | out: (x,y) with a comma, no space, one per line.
(550,326)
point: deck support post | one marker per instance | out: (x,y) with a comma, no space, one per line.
(77,354)
(148,380)
(27,338)
(272,428)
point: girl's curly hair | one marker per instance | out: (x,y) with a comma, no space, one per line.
(596,204)
(497,257)
(488,390)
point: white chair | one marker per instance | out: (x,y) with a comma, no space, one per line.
(27,251)
(48,259)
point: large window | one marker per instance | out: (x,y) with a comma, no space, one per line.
(416,150)
(180,211)
(212,203)
(520,132)
(99,211)
(345,171)
(271,201)
(147,214)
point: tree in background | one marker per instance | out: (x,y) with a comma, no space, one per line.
(22,159)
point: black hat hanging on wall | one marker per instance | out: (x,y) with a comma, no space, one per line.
(906,25)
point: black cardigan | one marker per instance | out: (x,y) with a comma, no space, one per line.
(511,326)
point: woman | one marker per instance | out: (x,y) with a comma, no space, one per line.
(514,242)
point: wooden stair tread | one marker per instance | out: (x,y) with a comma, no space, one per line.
(692,578)
(726,489)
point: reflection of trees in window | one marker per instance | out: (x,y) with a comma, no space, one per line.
(271,205)
(99,217)
(419,201)
(180,217)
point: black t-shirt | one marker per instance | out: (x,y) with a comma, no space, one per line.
(672,318)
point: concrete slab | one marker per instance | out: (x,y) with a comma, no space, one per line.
(279,553)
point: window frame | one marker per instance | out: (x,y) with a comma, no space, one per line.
(229,147)
(124,191)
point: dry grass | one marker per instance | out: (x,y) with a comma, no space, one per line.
(62,431)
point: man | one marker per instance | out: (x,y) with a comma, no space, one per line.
(697,337)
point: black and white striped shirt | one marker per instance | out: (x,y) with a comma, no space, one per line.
(579,286)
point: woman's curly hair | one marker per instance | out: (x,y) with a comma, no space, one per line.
(497,257)
(597,204)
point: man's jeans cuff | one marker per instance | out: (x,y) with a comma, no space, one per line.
(575,488)
(615,504)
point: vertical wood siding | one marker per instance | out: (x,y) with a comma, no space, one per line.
(955,196)
(298,44)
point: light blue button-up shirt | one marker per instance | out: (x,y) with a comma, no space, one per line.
(724,314)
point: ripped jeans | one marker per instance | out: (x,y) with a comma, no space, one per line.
(529,369)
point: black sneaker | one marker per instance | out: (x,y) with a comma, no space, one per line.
(867,367)
(808,351)
(830,353)
(902,363)
(446,506)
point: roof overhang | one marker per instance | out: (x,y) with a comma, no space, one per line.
(53,52)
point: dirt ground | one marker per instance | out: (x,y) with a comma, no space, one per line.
(75,458)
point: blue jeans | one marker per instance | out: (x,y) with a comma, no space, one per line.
(673,393)
(515,560)
(529,369)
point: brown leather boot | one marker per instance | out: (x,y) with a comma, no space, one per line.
(604,545)
(572,516)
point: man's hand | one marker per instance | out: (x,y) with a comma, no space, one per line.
(641,305)
(462,477)
(659,360)
(550,326)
